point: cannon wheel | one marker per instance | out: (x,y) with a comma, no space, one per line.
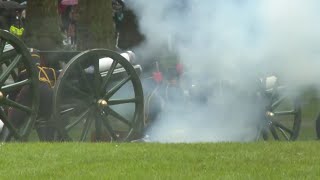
(12,61)
(283,115)
(88,104)
(318,126)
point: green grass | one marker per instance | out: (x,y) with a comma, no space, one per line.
(260,160)
(255,160)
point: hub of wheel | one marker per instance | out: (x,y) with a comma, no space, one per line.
(1,95)
(270,114)
(102,103)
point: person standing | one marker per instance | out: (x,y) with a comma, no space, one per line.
(17,28)
(47,79)
(72,27)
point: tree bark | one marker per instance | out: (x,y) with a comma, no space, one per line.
(43,25)
(95,25)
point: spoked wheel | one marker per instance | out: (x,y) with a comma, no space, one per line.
(91,105)
(17,113)
(318,126)
(283,115)
(154,105)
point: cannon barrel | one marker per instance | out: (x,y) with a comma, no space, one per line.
(106,62)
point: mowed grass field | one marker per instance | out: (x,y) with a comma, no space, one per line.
(229,160)
(260,160)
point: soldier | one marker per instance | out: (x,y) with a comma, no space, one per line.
(47,78)
(17,27)
(127,30)
(117,16)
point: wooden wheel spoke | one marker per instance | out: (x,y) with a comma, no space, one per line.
(81,117)
(98,126)
(6,122)
(66,111)
(8,70)
(116,88)
(71,107)
(13,73)
(2,45)
(107,78)
(121,101)
(107,124)
(282,127)
(118,116)
(284,113)
(87,125)
(282,131)
(96,76)
(274,132)
(14,104)
(76,90)
(284,134)
(278,102)
(83,76)
(15,86)
(7,57)
(3,116)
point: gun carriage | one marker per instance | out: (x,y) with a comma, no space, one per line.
(265,105)
(85,95)
(98,95)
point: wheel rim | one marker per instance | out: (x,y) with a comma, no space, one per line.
(318,126)
(87,103)
(283,115)
(12,61)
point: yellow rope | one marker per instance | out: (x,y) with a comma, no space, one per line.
(46,77)
(42,70)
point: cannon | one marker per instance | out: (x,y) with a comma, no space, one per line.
(99,96)
(282,114)
(89,97)
(275,107)
(318,126)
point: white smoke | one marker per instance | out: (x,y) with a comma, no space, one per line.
(237,41)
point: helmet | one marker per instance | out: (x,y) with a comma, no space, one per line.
(118,5)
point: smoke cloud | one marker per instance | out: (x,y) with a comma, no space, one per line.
(235,41)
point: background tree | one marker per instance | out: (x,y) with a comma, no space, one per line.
(43,25)
(95,25)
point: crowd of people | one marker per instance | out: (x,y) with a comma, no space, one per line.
(68,23)
(13,20)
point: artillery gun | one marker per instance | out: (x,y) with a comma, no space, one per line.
(85,95)
(267,106)
(99,96)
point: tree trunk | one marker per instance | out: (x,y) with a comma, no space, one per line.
(42,25)
(95,25)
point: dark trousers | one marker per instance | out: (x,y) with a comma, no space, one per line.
(18,117)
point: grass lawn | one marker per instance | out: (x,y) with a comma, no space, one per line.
(254,160)
(260,160)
